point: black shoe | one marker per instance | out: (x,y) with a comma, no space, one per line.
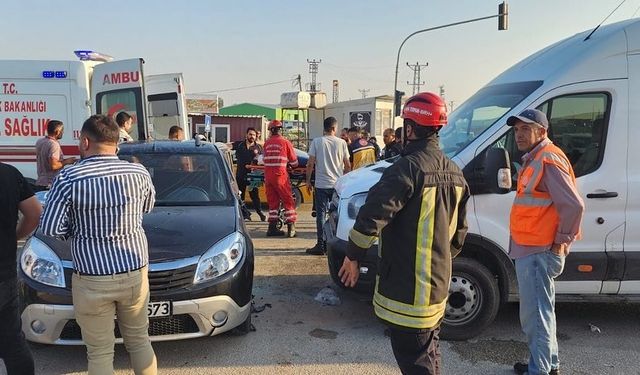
(273,231)
(291,230)
(262,216)
(318,249)
(522,368)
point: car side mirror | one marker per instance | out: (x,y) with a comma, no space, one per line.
(498,171)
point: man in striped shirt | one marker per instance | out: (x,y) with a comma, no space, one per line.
(98,204)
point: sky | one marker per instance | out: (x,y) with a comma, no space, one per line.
(222,45)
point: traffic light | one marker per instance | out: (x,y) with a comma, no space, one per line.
(503,16)
(397,101)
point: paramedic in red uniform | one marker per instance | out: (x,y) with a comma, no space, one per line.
(278,152)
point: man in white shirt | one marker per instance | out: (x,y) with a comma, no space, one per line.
(329,156)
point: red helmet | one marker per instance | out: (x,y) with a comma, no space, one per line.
(274,124)
(426,109)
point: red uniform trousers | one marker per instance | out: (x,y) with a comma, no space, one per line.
(278,188)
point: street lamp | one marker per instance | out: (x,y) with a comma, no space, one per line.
(503,24)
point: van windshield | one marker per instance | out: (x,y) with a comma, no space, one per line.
(481,111)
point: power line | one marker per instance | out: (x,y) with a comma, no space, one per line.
(244,87)
(359,67)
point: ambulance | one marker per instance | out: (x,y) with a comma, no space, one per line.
(32,92)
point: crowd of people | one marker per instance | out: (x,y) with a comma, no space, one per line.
(419,203)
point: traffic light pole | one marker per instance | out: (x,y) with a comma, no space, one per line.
(396,108)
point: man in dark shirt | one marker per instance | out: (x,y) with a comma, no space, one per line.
(391,145)
(247,152)
(15,195)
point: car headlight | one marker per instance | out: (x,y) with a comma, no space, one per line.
(41,264)
(221,258)
(354,204)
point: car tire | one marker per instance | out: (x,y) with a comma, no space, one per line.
(244,327)
(334,268)
(474,299)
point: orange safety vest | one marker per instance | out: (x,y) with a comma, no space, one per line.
(534,218)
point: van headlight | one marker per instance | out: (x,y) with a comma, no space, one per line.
(354,204)
(221,258)
(41,264)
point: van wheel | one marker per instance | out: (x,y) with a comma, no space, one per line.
(473,301)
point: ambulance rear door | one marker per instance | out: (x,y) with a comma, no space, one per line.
(119,86)
(167,105)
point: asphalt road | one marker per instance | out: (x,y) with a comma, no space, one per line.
(297,335)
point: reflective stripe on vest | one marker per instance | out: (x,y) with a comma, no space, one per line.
(421,314)
(534,219)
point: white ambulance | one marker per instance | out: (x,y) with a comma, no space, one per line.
(32,92)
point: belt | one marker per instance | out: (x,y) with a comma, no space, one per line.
(106,274)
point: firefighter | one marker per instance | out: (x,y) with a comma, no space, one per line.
(278,154)
(418,210)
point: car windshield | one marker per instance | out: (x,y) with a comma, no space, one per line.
(185,179)
(481,111)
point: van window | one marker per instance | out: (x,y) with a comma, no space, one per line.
(577,124)
(481,111)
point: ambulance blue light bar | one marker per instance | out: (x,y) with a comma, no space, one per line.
(86,55)
(54,74)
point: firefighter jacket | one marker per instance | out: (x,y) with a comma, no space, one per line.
(418,210)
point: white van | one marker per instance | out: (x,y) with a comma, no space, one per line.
(590,91)
(32,92)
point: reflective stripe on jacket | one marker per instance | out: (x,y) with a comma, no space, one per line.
(534,218)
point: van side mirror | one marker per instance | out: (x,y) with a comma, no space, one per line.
(498,171)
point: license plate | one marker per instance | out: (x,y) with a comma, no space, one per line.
(155,309)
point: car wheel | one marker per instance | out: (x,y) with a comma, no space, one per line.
(244,327)
(473,301)
(334,267)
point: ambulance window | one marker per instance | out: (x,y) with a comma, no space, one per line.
(114,102)
(577,124)
(164,104)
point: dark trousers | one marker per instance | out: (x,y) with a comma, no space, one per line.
(416,353)
(321,199)
(14,350)
(253,193)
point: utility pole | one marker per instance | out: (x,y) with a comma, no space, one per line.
(416,76)
(364,92)
(336,89)
(450,106)
(441,87)
(313,70)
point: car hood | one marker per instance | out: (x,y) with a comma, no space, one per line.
(360,180)
(174,232)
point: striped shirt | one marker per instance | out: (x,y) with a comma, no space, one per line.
(99,203)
